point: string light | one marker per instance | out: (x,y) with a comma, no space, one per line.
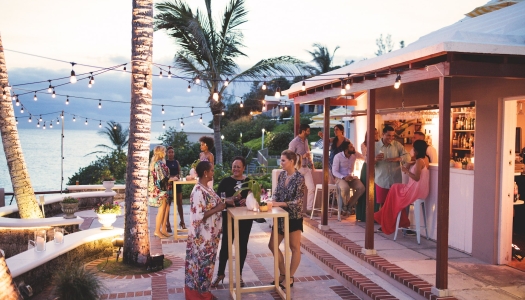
(163,125)
(73,78)
(124,69)
(92,78)
(264,108)
(242,105)
(198,79)
(100,124)
(251,112)
(54,94)
(14,97)
(303,87)
(86,122)
(181,123)
(90,83)
(192,111)
(16,119)
(343,90)
(40,119)
(62,115)
(398,81)
(162,109)
(114,127)
(286,108)
(160,73)
(280,109)
(67,100)
(38,124)
(278,93)
(30,118)
(22,109)
(216,95)
(99,103)
(74,119)
(51,124)
(17,102)
(226,82)
(169,72)
(34,97)
(222,113)
(200,120)
(44,126)
(264,83)
(348,85)
(58,121)
(50,88)
(189,87)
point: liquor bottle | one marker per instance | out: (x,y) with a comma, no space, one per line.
(429,138)
(454,141)
(473,123)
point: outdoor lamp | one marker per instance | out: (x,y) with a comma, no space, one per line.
(348,85)
(222,137)
(73,78)
(50,87)
(54,94)
(189,87)
(145,88)
(192,111)
(304,86)
(398,81)
(216,95)
(278,93)
(264,83)
(34,97)
(226,82)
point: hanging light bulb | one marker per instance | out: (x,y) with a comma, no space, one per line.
(145,88)
(74,119)
(40,119)
(54,95)
(181,123)
(264,108)
(343,90)
(73,78)
(58,121)
(22,109)
(99,103)
(192,111)
(198,79)
(264,83)
(67,100)
(242,105)
(15,97)
(303,87)
(114,127)
(251,112)
(34,97)
(44,126)
(17,102)
(38,124)
(162,109)
(30,118)
(286,108)
(50,87)
(189,87)
(348,85)
(163,125)
(222,113)
(99,124)
(16,119)
(226,82)
(169,72)
(92,78)
(280,109)
(200,120)
(124,69)
(62,115)
(51,124)
(398,81)
(86,122)
(278,93)
(216,95)
(160,74)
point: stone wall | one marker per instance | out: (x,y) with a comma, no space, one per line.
(38,278)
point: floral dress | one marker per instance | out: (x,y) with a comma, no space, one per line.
(157,191)
(292,194)
(203,239)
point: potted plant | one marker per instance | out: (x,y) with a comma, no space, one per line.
(193,173)
(108,181)
(69,207)
(107,214)
(253,201)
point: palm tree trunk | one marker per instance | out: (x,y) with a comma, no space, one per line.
(136,233)
(8,289)
(24,193)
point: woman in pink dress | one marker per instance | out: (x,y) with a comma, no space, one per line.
(402,195)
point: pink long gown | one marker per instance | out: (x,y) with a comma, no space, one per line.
(399,197)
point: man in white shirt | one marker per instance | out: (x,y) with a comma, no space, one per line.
(343,169)
(431,151)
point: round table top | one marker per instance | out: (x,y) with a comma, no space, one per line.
(519,202)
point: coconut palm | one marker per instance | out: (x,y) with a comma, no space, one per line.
(208,49)
(24,193)
(117,136)
(322,58)
(9,290)
(136,241)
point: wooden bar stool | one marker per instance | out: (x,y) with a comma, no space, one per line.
(419,205)
(332,195)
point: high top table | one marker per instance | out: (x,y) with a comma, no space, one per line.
(241,213)
(175,213)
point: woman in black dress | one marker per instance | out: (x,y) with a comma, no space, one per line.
(229,186)
(174,167)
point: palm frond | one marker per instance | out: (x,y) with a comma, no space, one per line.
(276,66)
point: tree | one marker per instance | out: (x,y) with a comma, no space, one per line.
(322,58)
(9,290)
(402,44)
(136,232)
(24,193)
(384,46)
(117,136)
(207,51)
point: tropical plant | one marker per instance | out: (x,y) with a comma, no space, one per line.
(22,188)
(112,165)
(322,58)
(9,290)
(117,136)
(75,282)
(137,248)
(207,51)
(69,199)
(386,45)
(251,185)
(108,208)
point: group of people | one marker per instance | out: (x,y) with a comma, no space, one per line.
(208,223)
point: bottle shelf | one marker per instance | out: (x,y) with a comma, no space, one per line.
(462,149)
(462,130)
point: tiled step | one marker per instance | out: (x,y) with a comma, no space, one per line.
(406,279)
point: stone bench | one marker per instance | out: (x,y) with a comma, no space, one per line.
(36,268)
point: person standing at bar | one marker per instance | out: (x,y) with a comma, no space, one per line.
(431,151)
(299,145)
(389,155)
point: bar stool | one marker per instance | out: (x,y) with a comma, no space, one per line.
(419,205)
(332,194)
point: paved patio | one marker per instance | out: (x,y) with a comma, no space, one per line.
(331,268)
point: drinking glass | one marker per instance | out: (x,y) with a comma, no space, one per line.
(223,197)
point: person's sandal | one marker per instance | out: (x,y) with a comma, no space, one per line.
(242,283)
(291,283)
(182,225)
(280,281)
(215,283)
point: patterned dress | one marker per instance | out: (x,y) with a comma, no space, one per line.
(292,194)
(157,192)
(203,240)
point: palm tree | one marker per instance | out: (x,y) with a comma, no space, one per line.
(322,58)
(9,290)
(207,51)
(136,233)
(24,193)
(117,136)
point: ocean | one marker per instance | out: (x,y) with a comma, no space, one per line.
(41,150)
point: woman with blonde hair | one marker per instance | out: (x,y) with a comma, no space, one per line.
(158,190)
(289,196)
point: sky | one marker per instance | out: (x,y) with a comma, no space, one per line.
(98,33)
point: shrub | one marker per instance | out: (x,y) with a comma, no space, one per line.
(70,200)
(277,142)
(73,282)
(112,164)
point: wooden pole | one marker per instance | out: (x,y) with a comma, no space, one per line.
(443,183)
(326,146)
(370,169)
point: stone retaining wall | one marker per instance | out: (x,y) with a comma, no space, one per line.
(40,277)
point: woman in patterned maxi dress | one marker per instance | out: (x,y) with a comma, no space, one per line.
(204,235)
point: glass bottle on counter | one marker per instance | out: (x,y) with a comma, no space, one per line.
(455,141)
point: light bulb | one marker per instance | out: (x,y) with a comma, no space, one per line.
(73,78)
(343,90)
(200,120)
(278,93)
(197,80)
(44,126)
(86,122)
(348,85)
(100,124)
(264,86)
(51,124)
(192,111)
(40,119)
(92,79)
(30,119)
(251,112)
(163,125)
(264,107)
(17,102)
(54,94)
(398,81)
(160,74)
(145,88)
(34,97)
(89,84)
(22,110)
(58,121)
(16,120)
(169,73)
(226,82)
(67,101)
(242,105)
(286,108)
(216,95)
(189,87)
(222,113)
(74,119)
(50,87)
(303,87)
(14,97)
(99,104)
(38,124)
